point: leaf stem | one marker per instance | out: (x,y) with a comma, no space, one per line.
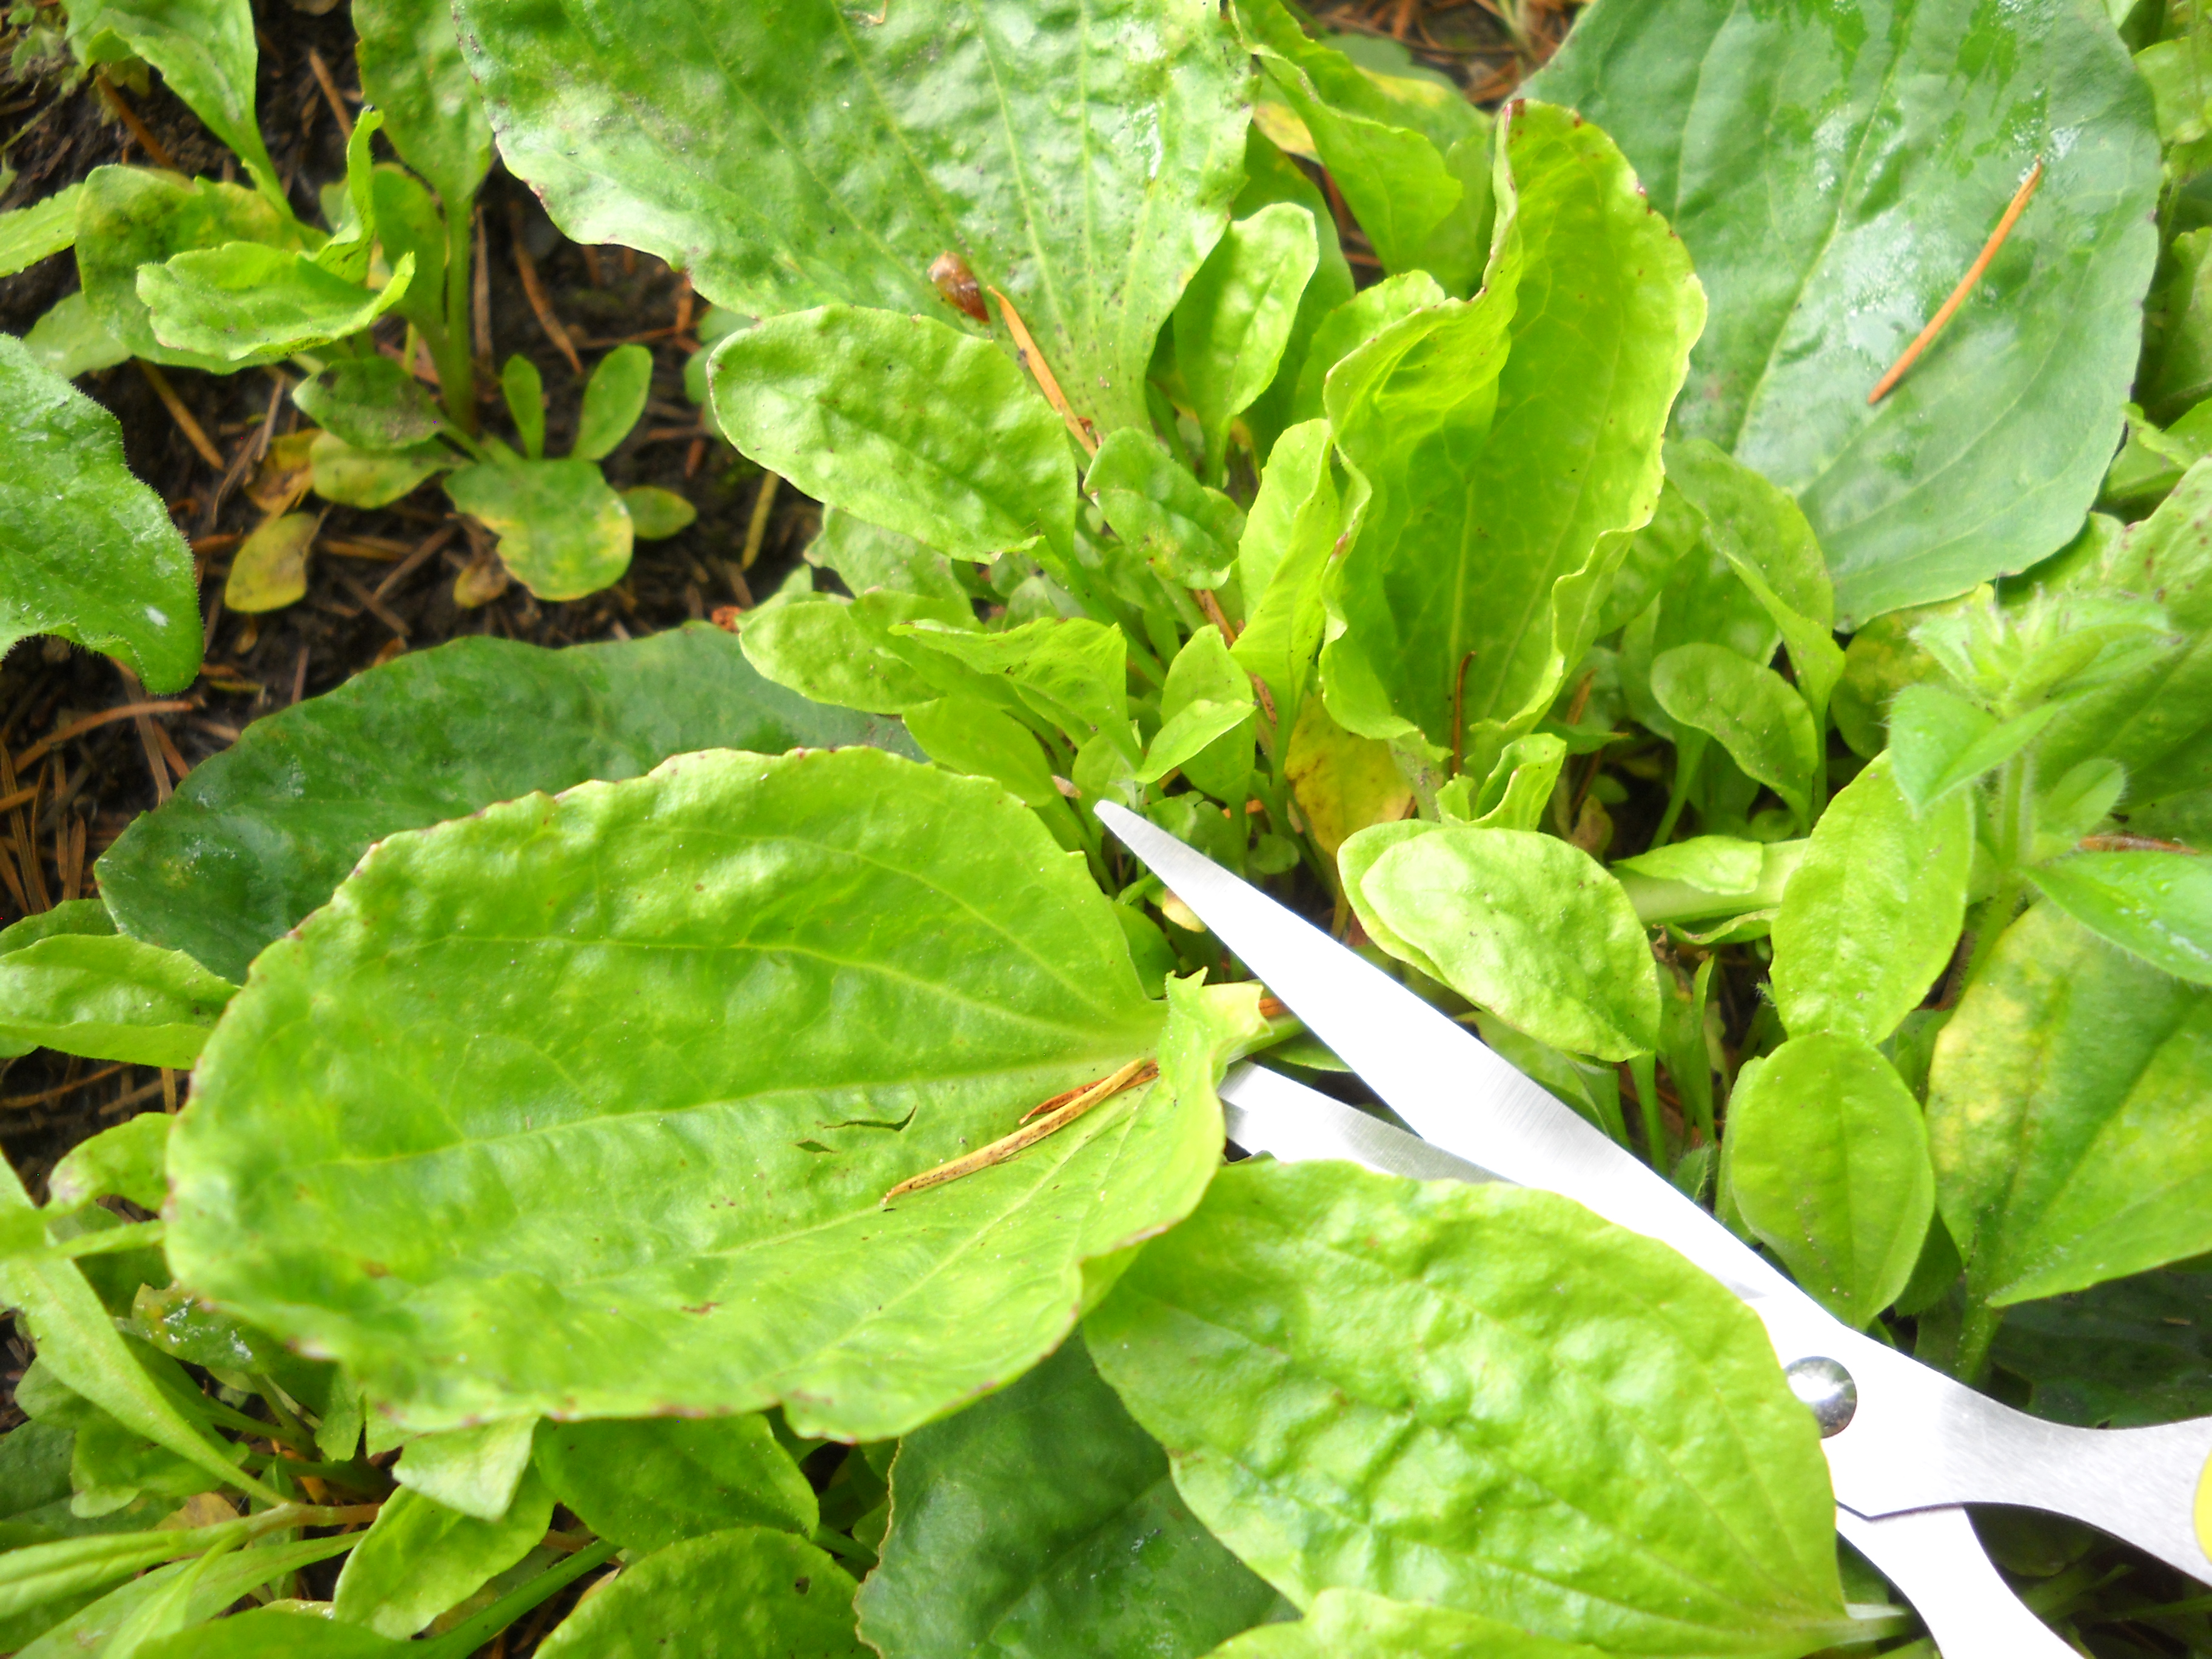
(1689,750)
(1641,1067)
(457,377)
(1977,1335)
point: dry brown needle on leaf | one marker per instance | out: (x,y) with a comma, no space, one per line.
(1061,1110)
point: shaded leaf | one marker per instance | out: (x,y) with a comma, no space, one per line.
(270,569)
(727,1596)
(1073,672)
(205,50)
(370,403)
(411,68)
(89,553)
(2132,1352)
(614,398)
(1342,783)
(127,1161)
(69,341)
(1234,320)
(474,1469)
(259,835)
(655,514)
(216,1582)
(1207,691)
(648,1482)
(373,478)
(563,531)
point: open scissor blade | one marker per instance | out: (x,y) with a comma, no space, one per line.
(1454,1092)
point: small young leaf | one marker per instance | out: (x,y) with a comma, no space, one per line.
(1293,524)
(2157,905)
(656,513)
(1828,1161)
(563,531)
(967,735)
(1939,742)
(523,389)
(473,1471)
(421,1557)
(866,555)
(205,50)
(132,217)
(128,1161)
(370,403)
(1759,717)
(1520,784)
(1234,319)
(906,423)
(244,302)
(1523,925)
(270,569)
(747,1590)
(87,553)
(614,398)
(1171,520)
(1872,914)
(373,478)
(39,231)
(1205,676)
(648,1482)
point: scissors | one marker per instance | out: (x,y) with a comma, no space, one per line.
(1906,1445)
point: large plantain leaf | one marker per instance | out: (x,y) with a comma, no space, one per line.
(259,836)
(1507,439)
(587,1105)
(1079,154)
(1482,1397)
(1041,1523)
(86,551)
(2065,1111)
(1834,171)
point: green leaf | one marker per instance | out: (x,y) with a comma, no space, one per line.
(1352,324)
(1168,518)
(370,403)
(89,554)
(245,302)
(205,50)
(1828,1161)
(1293,525)
(259,835)
(1564,365)
(923,133)
(1872,913)
(748,1590)
(373,478)
(420,1559)
(1711,864)
(1522,924)
(966,734)
(614,398)
(273,1633)
(655,514)
(1041,1523)
(842,653)
(2118,1355)
(408,222)
(475,1470)
(523,389)
(1517,790)
(903,421)
(649,1482)
(215,1582)
(1207,691)
(2063,1110)
(132,217)
(412,70)
(1073,672)
(563,531)
(1828,220)
(866,555)
(1759,717)
(1270,176)
(1234,320)
(755,891)
(69,341)
(1345,1621)
(39,231)
(128,1161)
(2157,905)
(1264,1341)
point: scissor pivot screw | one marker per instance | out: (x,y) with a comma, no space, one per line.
(1828,1392)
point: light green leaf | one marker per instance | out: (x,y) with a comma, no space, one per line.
(1041,1523)
(1270,176)
(655,514)
(245,302)
(966,734)
(563,531)
(87,552)
(205,50)
(614,398)
(472,1470)
(1234,320)
(1987,455)
(1174,523)
(842,652)
(373,478)
(522,387)
(1294,523)
(411,68)
(274,1633)
(748,1590)
(420,1557)
(1205,677)
(69,341)
(1872,914)
(39,231)
(924,132)
(1355,322)
(1522,924)
(1564,367)
(606,939)
(370,403)
(2157,905)
(866,555)
(1939,742)
(1759,717)
(2064,1112)
(1519,787)
(1073,672)
(258,834)
(906,422)
(215,1582)
(1828,1162)
(128,1161)
(1711,864)
(1347,1621)
(1264,1342)
(132,217)
(649,1482)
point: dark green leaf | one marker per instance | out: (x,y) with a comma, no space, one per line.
(2133,1351)
(205,50)
(650,1481)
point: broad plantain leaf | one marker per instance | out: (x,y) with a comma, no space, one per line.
(635,979)
(1234,320)
(1834,172)
(2136,1350)
(1347,1621)
(903,421)
(727,1596)
(1872,914)
(563,530)
(648,1482)
(1264,1342)
(86,552)
(2064,1109)
(1827,1160)
(679,129)
(132,217)
(421,1557)
(245,302)
(1041,1523)
(259,836)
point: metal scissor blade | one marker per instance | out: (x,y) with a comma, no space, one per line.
(1265,1112)
(1437,1076)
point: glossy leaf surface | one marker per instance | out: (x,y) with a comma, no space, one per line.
(613,943)
(1041,1523)
(563,531)
(679,129)
(650,1481)
(730,1594)
(1264,1342)
(259,835)
(2064,1108)
(1833,174)
(87,552)
(2158,905)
